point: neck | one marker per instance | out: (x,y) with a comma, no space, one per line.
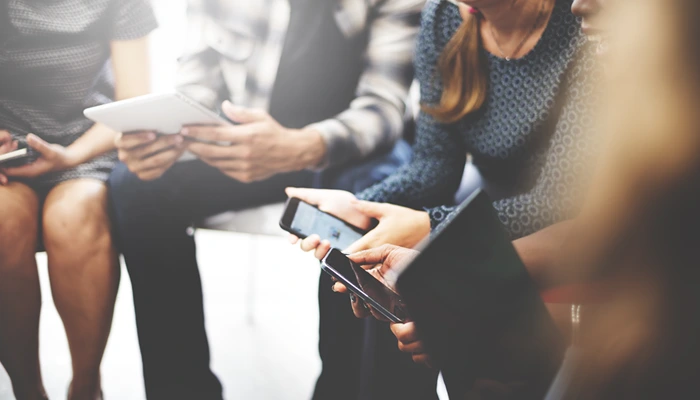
(512,18)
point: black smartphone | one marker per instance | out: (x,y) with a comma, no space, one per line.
(18,158)
(303,219)
(368,288)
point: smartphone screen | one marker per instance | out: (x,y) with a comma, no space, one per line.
(309,220)
(371,286)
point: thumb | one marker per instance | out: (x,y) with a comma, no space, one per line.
(38,144)
(370,209)
(243,115)
(311,196)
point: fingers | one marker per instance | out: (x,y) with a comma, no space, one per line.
(240,134)
(319,247)
(365,243)
(405,333)
(244,115)
(310,243)
(3,180)
(370,209)
(219,152)
(409,342)
(5,138)
(150,148)
(359,308)
(155,166)
(339,288)
(8,146)
(323,248)
(32,170)
(373,256)
(413,347)
(130,141)
(423,358)
(293,239)
(311,196)
(38,144)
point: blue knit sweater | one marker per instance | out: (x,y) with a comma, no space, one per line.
(528,140)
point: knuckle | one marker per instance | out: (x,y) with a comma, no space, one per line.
(247,153)
(247,166)
(249,138)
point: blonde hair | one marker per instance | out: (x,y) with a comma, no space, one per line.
(462,68)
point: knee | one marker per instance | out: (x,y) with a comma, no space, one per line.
(77,221)
(18,231)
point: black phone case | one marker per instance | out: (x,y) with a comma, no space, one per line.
(31,156)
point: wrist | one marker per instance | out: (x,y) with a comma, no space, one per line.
(311,148)
(73,157)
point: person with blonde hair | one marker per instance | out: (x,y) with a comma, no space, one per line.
(507,82)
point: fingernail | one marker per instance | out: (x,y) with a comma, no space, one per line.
(228,106)
(333,289)
(353,298)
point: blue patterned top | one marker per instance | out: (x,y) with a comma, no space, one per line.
(527,140)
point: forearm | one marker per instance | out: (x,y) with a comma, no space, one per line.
(96,141)
(434,174)
(541,252)
(375,118)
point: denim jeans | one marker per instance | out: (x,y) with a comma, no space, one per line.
(152,221)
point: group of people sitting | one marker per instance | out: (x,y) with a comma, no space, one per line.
(578,114)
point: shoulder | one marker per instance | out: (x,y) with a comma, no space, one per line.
(58,17)
(440,20)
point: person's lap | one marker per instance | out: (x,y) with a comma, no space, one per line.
(68,205)
(152,219)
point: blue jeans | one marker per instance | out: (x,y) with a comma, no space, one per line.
(151,222)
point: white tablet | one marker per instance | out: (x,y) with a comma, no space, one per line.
(165,113)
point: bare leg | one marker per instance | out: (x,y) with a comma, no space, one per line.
(84,271)
(20,294)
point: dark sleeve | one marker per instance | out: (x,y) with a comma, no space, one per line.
(439,154)
(133,19)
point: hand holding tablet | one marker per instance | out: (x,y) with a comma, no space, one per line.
(152,126)
(165,113)
(253,148)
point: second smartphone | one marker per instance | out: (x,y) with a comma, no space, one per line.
(365,286)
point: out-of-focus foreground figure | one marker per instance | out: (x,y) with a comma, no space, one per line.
(639,229)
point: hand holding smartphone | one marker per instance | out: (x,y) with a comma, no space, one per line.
(18,158)
(365,286)
(303,220)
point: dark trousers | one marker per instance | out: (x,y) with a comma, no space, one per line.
(152,220)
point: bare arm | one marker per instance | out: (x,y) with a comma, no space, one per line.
(541,251)
(130,61)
